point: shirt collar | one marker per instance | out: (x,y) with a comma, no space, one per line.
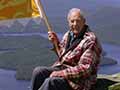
(71,34)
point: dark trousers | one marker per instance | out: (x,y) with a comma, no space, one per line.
(42,81)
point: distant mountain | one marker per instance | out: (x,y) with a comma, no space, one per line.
(31,26)
(22,26)
(107,61)
(3,29)
(16,27)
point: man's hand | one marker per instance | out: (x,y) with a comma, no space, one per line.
(52,37)
(57,74)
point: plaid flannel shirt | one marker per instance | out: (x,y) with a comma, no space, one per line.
(82,62)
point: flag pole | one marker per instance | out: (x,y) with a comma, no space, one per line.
(42,12)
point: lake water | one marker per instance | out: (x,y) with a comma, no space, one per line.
(9,81)
(112,50)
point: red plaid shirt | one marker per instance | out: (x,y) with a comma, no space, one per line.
(82,62)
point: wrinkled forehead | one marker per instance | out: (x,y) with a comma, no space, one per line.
(75,14)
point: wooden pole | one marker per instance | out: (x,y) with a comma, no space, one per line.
(42,12)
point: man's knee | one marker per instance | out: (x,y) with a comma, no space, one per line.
(50,79)
(38,70)
(54,80)
(57,83)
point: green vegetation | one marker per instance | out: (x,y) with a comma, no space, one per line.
(106,82)
(115,86)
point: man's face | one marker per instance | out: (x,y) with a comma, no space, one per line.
(76,22)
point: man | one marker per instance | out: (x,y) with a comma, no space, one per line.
(79,54)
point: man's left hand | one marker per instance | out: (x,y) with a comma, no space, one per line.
(57,74)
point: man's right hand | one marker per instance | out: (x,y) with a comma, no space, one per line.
(53,37)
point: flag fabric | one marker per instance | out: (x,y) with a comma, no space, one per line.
(13,9)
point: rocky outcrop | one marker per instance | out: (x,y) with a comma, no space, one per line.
(107,61)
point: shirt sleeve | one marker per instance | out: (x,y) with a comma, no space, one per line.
(84,66)
(63,42)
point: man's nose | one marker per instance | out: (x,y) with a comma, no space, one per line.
(75,23)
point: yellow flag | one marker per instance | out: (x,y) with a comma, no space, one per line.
(11,9)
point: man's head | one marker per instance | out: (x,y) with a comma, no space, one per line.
(76,20)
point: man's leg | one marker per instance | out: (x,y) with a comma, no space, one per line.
(39,75)
(55,83)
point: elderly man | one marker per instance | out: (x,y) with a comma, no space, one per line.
(79,55)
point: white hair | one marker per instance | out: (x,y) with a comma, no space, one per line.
(75,10)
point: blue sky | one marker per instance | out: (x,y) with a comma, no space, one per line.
(61,7)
